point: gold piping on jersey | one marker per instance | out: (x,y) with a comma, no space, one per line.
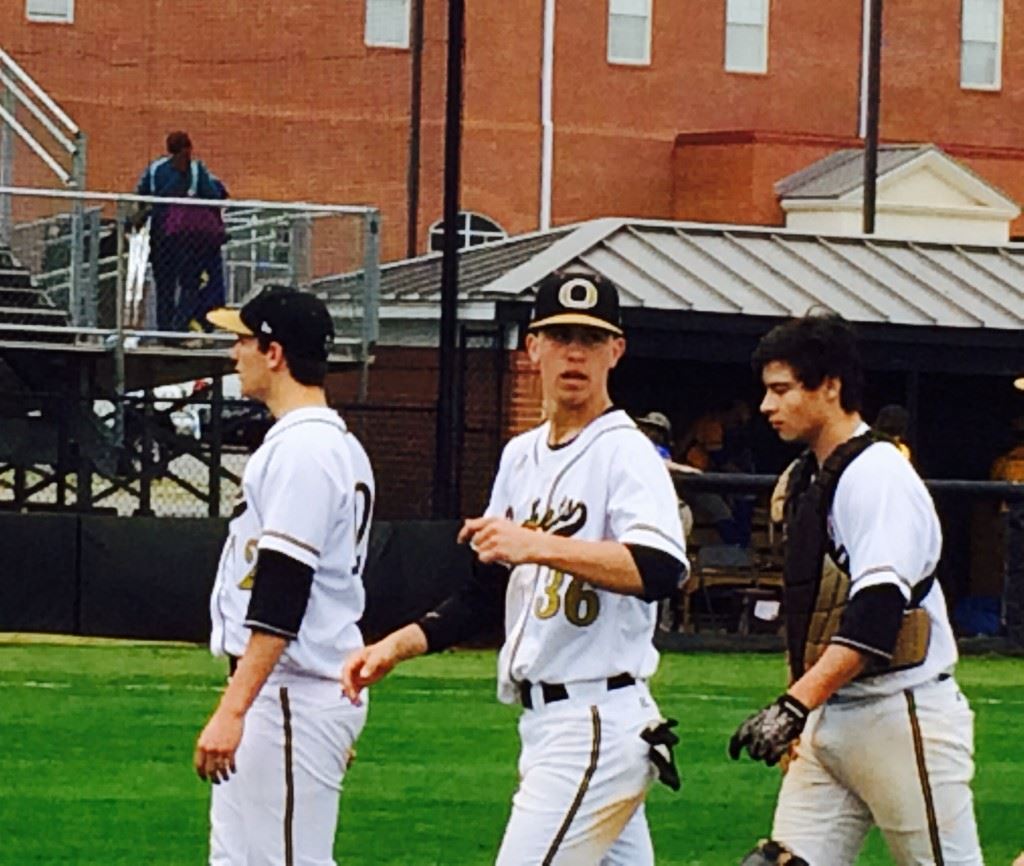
(644,527)
(528,607)
(336,423)
(285,537)
(595,751)
(922,774)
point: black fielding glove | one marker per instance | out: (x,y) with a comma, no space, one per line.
(660,737)
(766,735)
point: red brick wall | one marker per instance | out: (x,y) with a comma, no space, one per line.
(525,409)
(397,425)
(286,102)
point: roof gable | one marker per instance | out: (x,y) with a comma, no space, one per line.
(912,175)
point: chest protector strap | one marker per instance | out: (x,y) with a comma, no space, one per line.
(816,579)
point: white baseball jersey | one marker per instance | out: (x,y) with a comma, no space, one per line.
(606,484)
(884,519)
(307,492)
(893,750)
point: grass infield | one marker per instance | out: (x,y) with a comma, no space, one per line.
(96,744)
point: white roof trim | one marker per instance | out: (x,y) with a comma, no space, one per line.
(468,310)
(831,205)
(949,170)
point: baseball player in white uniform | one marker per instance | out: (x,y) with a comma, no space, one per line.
(286,600)
(876,729)
(580,539)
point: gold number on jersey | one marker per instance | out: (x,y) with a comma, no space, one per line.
(547,606)
(249,552)
(582,604)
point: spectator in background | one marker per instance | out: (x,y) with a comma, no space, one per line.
(719,441)
(1010,466)
(180,235)
(658,429)
(894,421)
(211,292)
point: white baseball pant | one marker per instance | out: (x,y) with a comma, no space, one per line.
(281,807)
(584,773)
(903,762)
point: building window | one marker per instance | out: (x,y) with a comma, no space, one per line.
(982,48)
(387,23)
(746,36)
(61,11)
(474,229)
(629,31)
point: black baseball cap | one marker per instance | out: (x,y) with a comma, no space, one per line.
(299,321)
(567,298)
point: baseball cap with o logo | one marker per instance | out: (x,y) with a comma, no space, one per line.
(576,299)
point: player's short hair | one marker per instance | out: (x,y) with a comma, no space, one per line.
(816,347)
(305,371)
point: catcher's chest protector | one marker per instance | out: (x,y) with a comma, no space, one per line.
(816,580)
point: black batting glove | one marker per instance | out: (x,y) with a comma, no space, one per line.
(766,735)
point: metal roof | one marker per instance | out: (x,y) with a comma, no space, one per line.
(419,279)
(843,171)
(750,271)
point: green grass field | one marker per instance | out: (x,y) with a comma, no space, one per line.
(96,744)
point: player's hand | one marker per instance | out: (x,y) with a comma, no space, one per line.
(766,735)
(497,539)
(365,667)
(215,749)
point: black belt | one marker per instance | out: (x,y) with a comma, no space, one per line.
(232,665)
(552,692)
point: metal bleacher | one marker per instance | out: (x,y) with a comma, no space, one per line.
(22,302)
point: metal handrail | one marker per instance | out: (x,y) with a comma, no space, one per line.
(38,92)
(294,207)
(734,482)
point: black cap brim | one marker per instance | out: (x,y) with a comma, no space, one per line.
(575,319)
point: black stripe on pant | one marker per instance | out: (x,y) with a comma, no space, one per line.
(595,751)
(289,780)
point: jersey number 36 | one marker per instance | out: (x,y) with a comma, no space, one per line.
(581,605)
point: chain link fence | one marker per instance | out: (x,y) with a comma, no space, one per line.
(149,264)
(172,451)
(111,396)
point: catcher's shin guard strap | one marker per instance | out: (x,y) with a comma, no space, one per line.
(771,853)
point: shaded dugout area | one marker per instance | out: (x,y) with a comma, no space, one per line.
(957,385)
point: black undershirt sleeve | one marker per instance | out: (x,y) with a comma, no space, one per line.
(872,620)
(476,607)
(661,573)
(280,593)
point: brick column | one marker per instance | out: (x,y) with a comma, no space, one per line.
(524,398)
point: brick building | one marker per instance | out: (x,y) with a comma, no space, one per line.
(683,109)
(659,109)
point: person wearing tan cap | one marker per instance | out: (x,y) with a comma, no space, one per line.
(287,598)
